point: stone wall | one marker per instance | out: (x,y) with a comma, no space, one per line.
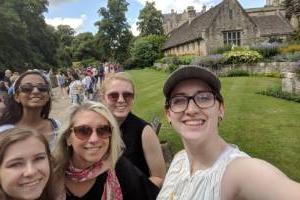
(261,68)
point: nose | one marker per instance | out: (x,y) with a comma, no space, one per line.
(192,107)
(94,137)
(121,98)
(35,89)
(29,169)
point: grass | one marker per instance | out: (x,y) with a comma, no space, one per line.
(265,127)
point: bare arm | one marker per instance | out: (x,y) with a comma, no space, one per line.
(255,179)
(154,156)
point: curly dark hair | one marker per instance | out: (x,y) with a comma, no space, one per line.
(13,111)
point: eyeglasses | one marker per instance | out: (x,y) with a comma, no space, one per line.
(114,96)
(180,103)
(84,132)
(28,88)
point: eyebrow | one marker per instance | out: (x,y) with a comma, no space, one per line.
(22,158)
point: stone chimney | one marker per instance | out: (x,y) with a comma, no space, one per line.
(191,13)
(203,9)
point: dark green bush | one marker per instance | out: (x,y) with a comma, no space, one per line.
(222,50)
(278,93)
(172,67)
(267,50)
(237,72)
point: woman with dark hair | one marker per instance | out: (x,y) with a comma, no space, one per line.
(209,167)
(30,106)
(25,174)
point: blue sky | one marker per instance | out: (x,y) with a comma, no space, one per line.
(82,14)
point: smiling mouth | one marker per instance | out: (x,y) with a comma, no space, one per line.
(198,122)
(32,183)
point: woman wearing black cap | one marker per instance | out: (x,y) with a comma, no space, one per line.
(209,168)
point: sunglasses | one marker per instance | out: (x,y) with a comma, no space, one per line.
(84,132)
(28,88)
(114,96)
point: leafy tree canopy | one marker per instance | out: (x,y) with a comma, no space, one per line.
(150,20)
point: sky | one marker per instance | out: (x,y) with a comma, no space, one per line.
(82,14)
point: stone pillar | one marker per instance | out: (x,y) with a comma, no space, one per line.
(288,82)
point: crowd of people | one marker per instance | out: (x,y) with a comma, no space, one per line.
(107,152)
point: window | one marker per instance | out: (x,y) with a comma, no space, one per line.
(230,14)
(232,38)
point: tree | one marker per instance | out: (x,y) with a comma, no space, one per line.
(150,20)
(26,40)
(84,47)
(113,35)
(147,49)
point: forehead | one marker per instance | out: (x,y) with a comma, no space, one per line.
(89,117)
(32,78)
(119,85)
(190,87)
(32,145)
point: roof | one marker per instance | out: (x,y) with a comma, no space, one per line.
(192,31)
(272,25)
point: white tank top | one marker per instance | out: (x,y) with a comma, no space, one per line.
(203,184)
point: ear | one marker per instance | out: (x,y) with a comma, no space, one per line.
(16,97)
(69,141)
(167,113)
(222,110)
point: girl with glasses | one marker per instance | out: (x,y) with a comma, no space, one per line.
(30,105)
(142,145)
(25,166)
(90,163)
(209,168)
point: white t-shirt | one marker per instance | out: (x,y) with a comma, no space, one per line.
(203,184)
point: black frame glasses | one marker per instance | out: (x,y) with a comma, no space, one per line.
(114,96)
(28,88)
(84,132)
(203,99)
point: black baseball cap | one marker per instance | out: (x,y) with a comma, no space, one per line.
(191,72)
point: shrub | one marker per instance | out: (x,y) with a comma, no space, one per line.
(287,57)
(172,67)
(169,60)
(186,60)
(267,50)
(211,61)
(244,56)
(237,72)
(292,48)
(222,50)
(147,49)
(278,93)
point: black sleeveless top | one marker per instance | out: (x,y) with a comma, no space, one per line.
(134,184)
(132,129)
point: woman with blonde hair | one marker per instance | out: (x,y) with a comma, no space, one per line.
(142,145)
(25,174)
(89,161)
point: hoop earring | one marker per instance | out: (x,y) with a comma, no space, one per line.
(220,118)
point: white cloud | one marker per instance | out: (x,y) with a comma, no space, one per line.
(75,23)
(56,2)
(178,5)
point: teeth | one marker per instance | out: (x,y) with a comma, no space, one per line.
(194,122)
(33,183)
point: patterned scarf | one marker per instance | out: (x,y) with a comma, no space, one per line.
(112,188)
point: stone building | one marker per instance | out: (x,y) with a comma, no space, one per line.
(228,23)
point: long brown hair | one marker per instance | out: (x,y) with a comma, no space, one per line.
(14,135)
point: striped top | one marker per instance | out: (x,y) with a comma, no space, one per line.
(203,184)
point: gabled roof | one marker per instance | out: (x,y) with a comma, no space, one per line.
(193,30)
(272,25)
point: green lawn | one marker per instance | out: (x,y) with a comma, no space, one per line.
(264,127)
